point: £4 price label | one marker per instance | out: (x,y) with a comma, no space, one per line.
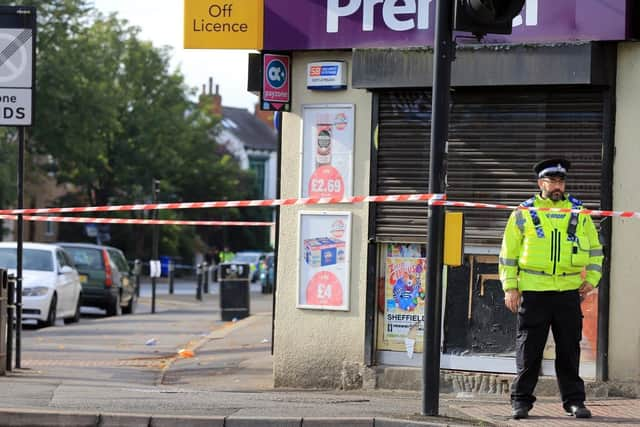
(326,181)
(324,289)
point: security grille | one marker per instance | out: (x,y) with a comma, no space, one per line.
(495,136)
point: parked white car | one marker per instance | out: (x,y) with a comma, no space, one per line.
(50,283)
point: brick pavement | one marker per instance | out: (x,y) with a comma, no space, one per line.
(618,412)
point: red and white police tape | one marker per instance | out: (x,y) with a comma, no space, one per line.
(231,204)
(137,221)
(584,211)
(433,199)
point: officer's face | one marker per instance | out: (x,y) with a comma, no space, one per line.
(552,188)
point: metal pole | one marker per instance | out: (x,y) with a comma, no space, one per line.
(137,270)
(606,197)
(276,220)
(11,288)
(443,52)
(20,238)
(199,282)
(171,275)
(205,276)
(155,185)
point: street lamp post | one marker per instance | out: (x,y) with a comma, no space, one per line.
(444,50)
(154,256)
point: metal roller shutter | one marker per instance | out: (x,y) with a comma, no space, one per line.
(494,138)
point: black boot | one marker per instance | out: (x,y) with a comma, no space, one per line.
(520,411)
(578,410)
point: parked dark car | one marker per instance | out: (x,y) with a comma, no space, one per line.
(106,279)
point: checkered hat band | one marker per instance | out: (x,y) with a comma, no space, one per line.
(552,169)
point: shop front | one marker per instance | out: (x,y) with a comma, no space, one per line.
(514,101)
(497,132)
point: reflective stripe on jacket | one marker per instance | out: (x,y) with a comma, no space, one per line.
(553,262)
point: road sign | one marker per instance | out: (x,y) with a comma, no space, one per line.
(17,65)
(276,84)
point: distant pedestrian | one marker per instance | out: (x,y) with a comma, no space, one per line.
(548,262)
(226,255)
(215,255)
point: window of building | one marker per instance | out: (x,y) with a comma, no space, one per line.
(259,166)
(49,229)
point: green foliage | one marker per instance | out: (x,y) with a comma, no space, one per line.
(8,166)
(113,116)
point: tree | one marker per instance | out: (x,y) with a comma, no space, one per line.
(8,167)
(112,116)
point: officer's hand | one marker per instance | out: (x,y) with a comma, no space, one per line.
(585,289)
(512,299)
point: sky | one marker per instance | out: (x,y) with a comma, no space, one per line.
(161,22)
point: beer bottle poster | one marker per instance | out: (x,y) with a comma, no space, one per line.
(323,260)
(327,150)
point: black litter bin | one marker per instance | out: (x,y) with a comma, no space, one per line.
(234,290)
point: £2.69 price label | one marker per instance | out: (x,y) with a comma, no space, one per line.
(326,181)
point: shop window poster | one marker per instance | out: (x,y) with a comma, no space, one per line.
(324,258)
(405,286)
(327,150)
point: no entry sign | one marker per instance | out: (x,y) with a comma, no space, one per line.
(17,65)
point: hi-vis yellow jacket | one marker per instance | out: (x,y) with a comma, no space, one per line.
(551,256)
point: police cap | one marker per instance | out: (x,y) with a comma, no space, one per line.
(552,168)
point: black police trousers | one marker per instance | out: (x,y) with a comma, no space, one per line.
(538,312)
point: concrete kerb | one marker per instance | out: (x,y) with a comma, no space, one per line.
(338,422)
(123,420)
(35,418)
(186,421)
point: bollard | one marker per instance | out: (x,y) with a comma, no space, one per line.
(137,269)
(3,321)
(11,289)
(171,275)
(205,275)
(199,282)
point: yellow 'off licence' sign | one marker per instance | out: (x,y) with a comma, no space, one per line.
(223,24)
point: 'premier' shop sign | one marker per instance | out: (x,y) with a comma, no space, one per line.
(339,24)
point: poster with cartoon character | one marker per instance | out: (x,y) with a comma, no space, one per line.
(325,240)
(327,150)
(403,322)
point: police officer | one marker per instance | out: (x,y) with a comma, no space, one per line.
(548,262)
(226,255)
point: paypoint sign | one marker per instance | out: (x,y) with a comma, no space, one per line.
(223,24)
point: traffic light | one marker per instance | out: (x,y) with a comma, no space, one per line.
(482,17)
